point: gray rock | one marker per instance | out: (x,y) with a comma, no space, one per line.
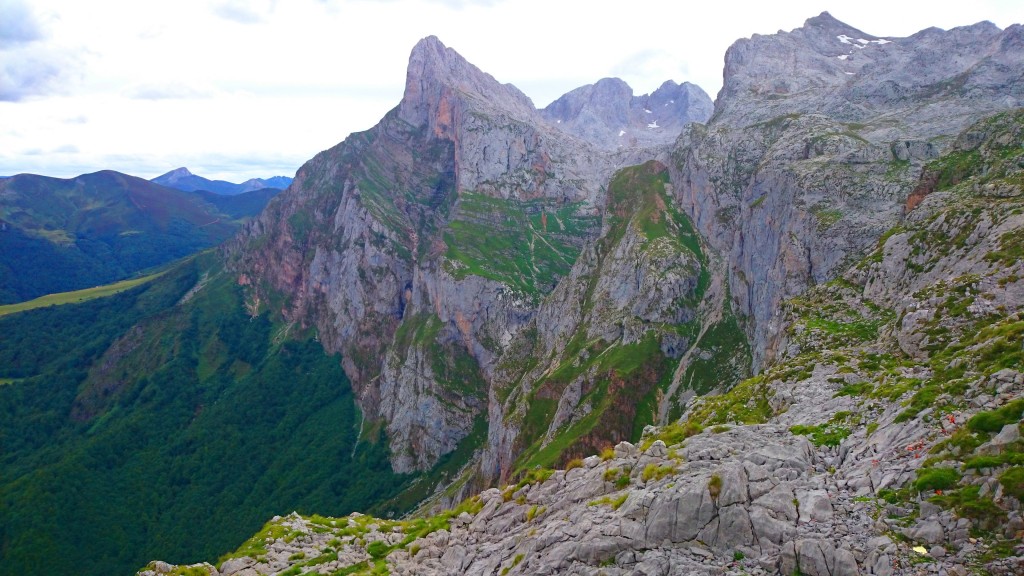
(928,531)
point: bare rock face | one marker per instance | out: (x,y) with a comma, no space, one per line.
(817,141)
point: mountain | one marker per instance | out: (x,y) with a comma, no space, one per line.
(488,253)
(607,113)
(791,333)
(576,307)
(66,234)
(182,179)
(885,440)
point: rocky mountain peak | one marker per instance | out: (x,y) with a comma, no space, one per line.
(827,21)
(437,75)
(176,174)
(607,113)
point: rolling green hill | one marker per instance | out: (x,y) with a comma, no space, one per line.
(58,234)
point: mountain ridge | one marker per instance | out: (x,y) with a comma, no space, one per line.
(69,233)
(183,179)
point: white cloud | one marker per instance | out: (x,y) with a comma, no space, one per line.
(36,70)
(231,86)
(30,67)
(243,11)
(18,24)
(167,91)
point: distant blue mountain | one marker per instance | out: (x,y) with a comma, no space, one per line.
(182,179)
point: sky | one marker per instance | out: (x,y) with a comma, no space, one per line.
(236,89)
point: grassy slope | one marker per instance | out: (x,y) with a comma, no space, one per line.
(77,296)
(526,245)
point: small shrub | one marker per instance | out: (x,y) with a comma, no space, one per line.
(936,479)
(574,463)
(297,556)
(1013,482)
(715,486)
(737,556)
(377,549)
(607,454)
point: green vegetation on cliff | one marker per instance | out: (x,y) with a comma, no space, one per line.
(620,382)
(528,245)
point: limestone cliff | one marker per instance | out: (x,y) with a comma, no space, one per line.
(424,249)
(817,139)
(885,439)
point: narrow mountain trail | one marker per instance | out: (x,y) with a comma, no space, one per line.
(710,313)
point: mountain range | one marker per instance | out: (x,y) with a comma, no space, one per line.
(620,335)
(182,179)
(59,234)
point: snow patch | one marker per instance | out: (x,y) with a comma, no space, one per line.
(881,41)
(672,101)
(646,110)
(558,121)
(653,125)
(848,73)
(843,56)
(862,41)
(844,39)
(622,132)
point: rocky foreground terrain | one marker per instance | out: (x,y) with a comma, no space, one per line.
(854,210)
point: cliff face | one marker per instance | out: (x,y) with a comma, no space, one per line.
(816,142)
(425,247)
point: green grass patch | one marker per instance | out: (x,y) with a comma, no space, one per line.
(822,435)
(994,420)
(936,479)
(78,296)
(1013,482)
(654,472)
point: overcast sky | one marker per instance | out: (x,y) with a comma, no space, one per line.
(235,89)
